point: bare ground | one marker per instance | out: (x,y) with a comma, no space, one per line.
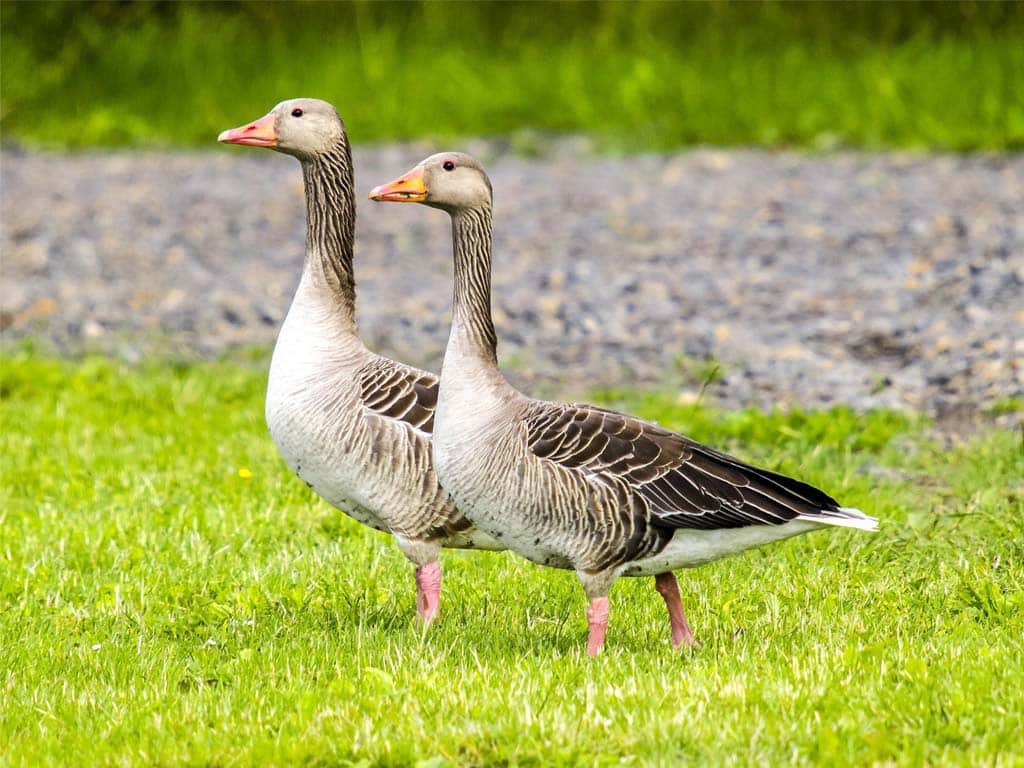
(865,279)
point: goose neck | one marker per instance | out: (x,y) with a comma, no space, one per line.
(472,325)
(330,230)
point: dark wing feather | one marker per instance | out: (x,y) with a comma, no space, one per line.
(399,392)
(684,484)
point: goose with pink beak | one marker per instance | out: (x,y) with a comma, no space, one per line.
(354,425)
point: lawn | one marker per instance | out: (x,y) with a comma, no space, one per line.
(636,76)
(170,594)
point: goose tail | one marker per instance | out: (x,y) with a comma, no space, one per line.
(843,517)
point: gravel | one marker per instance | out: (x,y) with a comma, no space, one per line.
(866,279)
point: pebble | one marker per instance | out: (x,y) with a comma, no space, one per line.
(870,279)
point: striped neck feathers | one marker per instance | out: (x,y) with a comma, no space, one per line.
(471,310)
(330,226)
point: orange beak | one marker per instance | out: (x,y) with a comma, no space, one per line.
(407,188)
(258,134)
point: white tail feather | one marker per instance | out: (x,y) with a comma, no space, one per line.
(846,517)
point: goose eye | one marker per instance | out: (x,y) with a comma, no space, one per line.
(448,165)
(296,112)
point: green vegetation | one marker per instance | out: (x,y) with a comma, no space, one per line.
(170,594)
(1007,405)
(636,76)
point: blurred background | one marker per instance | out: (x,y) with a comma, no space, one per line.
(774,203)
(635,75)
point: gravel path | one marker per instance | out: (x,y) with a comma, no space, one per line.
(867,279)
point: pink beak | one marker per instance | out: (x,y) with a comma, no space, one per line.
(258,134)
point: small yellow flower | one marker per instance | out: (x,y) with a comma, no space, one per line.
(245,473)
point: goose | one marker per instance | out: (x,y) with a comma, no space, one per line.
(355,426)
(576,486)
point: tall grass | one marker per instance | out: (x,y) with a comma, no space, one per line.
(637,75)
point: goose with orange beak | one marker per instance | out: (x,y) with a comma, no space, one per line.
(575,486)
(407,188)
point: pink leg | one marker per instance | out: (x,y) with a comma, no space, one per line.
(668,588)
(597,619)
(428,591)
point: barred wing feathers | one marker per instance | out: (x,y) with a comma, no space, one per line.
(684,484)
(400,392)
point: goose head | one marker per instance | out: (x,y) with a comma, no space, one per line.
(448,180)
(303,128)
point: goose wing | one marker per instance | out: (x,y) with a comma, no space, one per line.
(409,395)
(684,484)
(400,392)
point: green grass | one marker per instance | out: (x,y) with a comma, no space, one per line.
(160,606)
(636,76)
